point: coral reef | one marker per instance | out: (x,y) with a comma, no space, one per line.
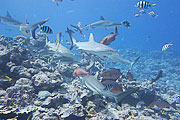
(40,91)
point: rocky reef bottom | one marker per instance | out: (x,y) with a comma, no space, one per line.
(38,91)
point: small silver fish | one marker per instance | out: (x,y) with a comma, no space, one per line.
(153,14)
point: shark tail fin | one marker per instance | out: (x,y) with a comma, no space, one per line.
(76,28)
(36,25)
(124,94)
(132,63)
(73,40)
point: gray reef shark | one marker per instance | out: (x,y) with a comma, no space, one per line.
(98,49)
(57,52)
(102,23)
(9,20)
(24,28)
(29,30)
(58,48)
(96,86)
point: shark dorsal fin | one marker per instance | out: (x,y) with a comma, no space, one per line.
(102,18)
(27,20)
(91,38)
(8,15)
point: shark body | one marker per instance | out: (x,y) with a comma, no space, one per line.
(10,20)
(94,85)
(58,48)
(97,49)
(102,23)
(29,30)
(24,28)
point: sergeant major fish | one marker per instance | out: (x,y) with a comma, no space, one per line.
(46,29)
(166,46)
(144,5)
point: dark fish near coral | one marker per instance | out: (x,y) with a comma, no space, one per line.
(96,86)
(130,76)
(109,38)
(158,76)
(111,74)
(112,86)
(46,29)
(80,72)
(162,104)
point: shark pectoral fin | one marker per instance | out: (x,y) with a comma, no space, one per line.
(124,94)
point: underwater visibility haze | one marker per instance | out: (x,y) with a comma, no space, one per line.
(89,59)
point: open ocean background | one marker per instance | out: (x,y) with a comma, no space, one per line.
(40,81)
(163,29)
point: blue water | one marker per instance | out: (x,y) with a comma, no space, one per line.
(163,29)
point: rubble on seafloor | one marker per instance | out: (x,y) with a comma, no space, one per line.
(39,92)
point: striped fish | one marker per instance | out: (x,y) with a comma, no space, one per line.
(46,29)
(166,46)
(144,4)
(108,87)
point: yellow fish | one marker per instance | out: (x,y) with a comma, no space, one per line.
(5,78)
